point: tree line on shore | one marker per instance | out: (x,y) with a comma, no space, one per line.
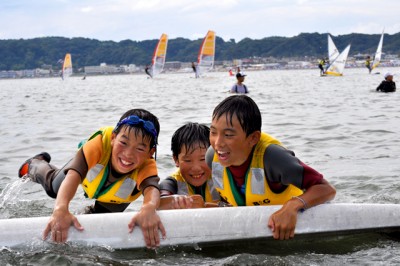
(34,53)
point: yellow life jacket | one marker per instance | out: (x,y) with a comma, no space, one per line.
(117,192)
(257,191)
(210,194)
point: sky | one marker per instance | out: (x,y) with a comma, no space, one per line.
(139,20)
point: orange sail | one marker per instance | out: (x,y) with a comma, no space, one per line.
(159,56)
(67,67)
(205,60)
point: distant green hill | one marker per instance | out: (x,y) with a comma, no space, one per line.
(34,53)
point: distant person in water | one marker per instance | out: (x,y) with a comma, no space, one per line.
(195,70)
(368,64)
(321,65)
(147,70)
(387,85)
(239,87)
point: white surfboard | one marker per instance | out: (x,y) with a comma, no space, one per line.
(209,225)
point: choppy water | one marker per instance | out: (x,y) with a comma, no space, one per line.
(338,125)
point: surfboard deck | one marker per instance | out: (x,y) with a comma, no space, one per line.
(209,225)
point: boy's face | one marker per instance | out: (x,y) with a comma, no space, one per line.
(230,142)
(129,150)
(193,166)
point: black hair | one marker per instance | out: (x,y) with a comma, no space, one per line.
(145,115)
(244,108)
(190,135)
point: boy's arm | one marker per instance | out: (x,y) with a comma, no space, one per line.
(282,166)
(148,219)
(169,186)
(62,219)
(283,222)
(170,200)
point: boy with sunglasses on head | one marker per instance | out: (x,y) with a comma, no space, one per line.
(114,166)
(251,168)
(191,184)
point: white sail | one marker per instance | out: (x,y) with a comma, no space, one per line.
(205,61)
(337,66)
(378,54)
(159,56)
(333,52)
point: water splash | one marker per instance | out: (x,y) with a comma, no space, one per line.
(11,192)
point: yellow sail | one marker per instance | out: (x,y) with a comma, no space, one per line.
(159,56)
(67,66)
(205,61)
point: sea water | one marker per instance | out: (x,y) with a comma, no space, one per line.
(338,125)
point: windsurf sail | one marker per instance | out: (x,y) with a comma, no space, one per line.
(160,53)
(337,66)
(378,54)
(205,60)
(67,67)
(333,52)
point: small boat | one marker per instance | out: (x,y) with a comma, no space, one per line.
(210,226)
(67,67)
(159,56)
(336,67)
(206,56)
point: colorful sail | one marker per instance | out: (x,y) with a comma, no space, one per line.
(333,52)
(337,66)
(159,56)
(67,67)
(378,54)
(205,60)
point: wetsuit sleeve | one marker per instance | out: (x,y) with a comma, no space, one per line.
(151,181)
(146,171)
(282,166)
(209,156)
(78,163)
(379,88)
(169,184)
(86,157)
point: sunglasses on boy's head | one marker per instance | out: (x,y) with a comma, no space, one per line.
(134,120)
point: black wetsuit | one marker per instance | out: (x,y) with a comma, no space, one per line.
(387,86)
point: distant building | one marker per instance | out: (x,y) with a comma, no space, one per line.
(103,68)
(8,74)
(172,65)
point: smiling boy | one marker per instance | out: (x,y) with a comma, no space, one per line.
(189,145)
(251,168)
(115,166)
